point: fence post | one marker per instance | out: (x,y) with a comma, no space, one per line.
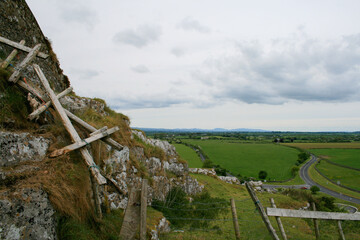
(316,224)
(131,220)
(143,207)
(235,219)
(342,236)
(95,188)
(281,227)
(262,212)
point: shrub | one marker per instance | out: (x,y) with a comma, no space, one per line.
(314,189)
(262,174)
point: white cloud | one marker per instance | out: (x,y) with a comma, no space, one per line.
(140,69)
(191,24)
(140,37)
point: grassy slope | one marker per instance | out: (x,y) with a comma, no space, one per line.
(347,157)
(249,159)
(189,155)
(251,225)
(347,177)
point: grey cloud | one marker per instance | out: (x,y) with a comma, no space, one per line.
(140,69)
(80,14)
(288,70)
(178,52)
(189,23)
(84,73)
(140,37)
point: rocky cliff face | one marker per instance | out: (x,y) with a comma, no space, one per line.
(33,187)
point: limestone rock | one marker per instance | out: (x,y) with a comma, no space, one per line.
(232,180)
(27,214)
(204,171)
(19,147)
(164,145)
(80,104)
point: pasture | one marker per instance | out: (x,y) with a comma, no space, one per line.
(248,159)
(305,146)
(347,157)
(347,177)
(189,155)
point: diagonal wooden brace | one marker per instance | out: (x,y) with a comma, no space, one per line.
(41,109)
(21,47)
(83,143)
(11,56)
(32,54)
(69,127)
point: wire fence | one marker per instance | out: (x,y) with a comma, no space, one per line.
(219,227)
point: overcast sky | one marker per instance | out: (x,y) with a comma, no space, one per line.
(274,65)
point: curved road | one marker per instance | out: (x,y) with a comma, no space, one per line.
(305,176)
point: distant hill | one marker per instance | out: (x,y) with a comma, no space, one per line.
(197,130)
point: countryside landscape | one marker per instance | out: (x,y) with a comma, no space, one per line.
(179,120)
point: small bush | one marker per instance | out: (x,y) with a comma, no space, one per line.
(262,174)
(314,189)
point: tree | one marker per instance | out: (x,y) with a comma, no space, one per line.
(314,189)
(262,174)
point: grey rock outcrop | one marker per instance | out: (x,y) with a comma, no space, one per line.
(27,214)
(19,147)
(80,104)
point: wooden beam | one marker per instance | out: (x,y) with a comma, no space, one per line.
(131,220)
(83,143)
(90,128)
(262,212)
(143,208)
(21,47)
(278,220)
(235,219)
(41,109)
(341,233)
(316,223)
(11,56)
(280,212)
(69,127)
(100,130)
(95,189)
(19,69)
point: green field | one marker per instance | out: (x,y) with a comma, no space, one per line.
(324,145)
(347,177)
(189,155)
(248,159)
(347,157)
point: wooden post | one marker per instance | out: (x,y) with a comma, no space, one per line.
(95,188)
(131,220)
(19,69)
(262,212)
(278,220)
(41,109)
(235,219)
(69,127)
(341,233)
(144,190)
(83,142)
(11,56)
(21,47)
(316,223)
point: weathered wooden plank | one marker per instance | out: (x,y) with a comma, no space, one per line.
(235,219)
(131,220)
(69,127)
(7,61)
(100,130)
(83,143)
(95,188)
(281,212)
(261,211)
(143,208)
(341,233)
(278,220)
(19,69)
(90,128)
(316,223)
(41,109)
(21,47)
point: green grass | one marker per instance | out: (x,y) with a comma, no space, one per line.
(316,177)
(251,225)
(249,159)
(347,157)
(323,145)
(347,177)
(189,155)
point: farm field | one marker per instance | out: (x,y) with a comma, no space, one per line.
(347,177)
(347,157)
(323,145)
(189,155)
(248,159)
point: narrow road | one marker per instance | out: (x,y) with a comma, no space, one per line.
(305,176)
